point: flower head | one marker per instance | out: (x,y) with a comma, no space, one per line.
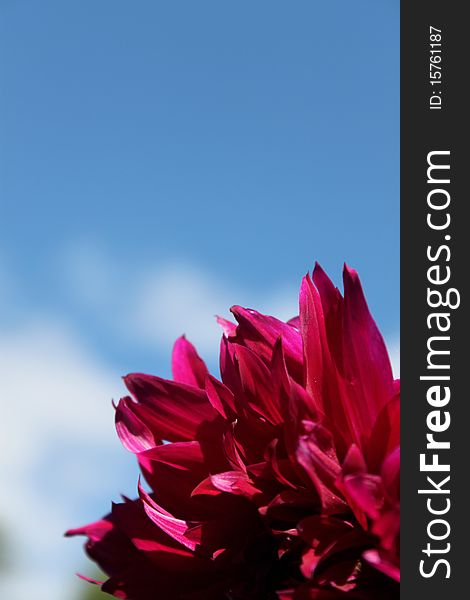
(279,481)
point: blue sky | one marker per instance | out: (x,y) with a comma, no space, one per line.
(161,161)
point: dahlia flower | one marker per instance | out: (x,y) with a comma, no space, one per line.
(281,481)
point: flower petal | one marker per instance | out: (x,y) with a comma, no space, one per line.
(315,453)
(260,332)
(175,528)
(181,409)
(132,430)
(257,384)
(366,363)
(186,364)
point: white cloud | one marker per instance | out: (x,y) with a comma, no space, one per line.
(57,443)
(183,299)
(154,306)
(32,584)
(49,384)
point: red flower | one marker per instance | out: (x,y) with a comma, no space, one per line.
(281,481)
